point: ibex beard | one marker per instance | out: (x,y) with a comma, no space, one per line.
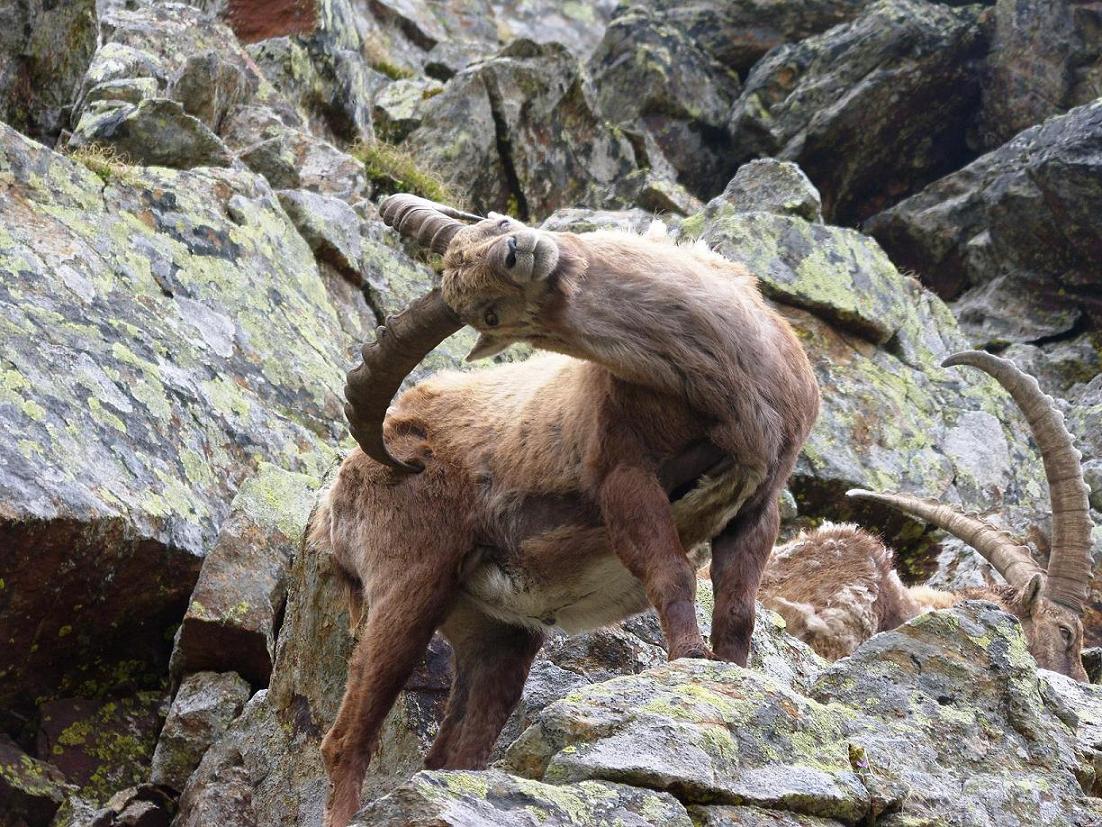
(569,491)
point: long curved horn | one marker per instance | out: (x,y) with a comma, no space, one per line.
(1010,559)
(403,340)
(433,225)
(400,345)
(1069,568)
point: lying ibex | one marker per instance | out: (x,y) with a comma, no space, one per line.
(564,491)
(836,587)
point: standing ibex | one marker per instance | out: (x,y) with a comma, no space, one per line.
(836,587)
(566,491)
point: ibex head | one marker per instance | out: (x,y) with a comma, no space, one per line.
(1049,603)
(497,274)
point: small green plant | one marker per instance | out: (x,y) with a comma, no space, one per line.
(391,70)
(106,162)
(392,169)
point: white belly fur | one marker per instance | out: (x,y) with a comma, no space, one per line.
(604,592)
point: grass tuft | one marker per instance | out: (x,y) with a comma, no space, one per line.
(106,162)
(392,169)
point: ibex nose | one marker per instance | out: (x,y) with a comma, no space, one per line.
(511,258)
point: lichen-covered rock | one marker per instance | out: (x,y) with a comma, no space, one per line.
(713,732)
(872,110)
(400,106)
(737,33)
(1016,230)
(144,805)
(726,815)
(230,624)
(30,790)
(330,226)
(102,745)
(650,74)
(291,158)
(1079,705)
(266,768)
(576,25)
(769,185)
(151,321)
(186,54)
(1046,57)
(952,719)
(45,47)
(204,706)
(521,133)
(1060,365)
(459,799)
(944,715)
(580,220)
(155,132)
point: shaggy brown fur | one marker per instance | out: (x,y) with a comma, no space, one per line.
(836,587)
(568,490)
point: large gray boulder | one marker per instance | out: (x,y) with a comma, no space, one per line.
(1046,58)
(871,110)
(898,733)
(891,418)
(1013,237)
(45,47)
(521,133)
(653,76)
(737,33)
(154,323)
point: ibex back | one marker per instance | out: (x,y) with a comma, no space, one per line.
(568,491)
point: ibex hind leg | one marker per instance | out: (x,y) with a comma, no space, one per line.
(492,661)
(402,614)
(739,555)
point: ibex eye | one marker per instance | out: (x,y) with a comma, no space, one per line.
(490,318)
(503,223)
(1067,634)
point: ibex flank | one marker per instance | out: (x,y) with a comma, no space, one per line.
(569,491)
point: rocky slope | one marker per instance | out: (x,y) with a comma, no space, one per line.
(190,254)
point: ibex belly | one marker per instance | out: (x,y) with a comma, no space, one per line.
(568,578)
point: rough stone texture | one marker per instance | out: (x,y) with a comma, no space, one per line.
(737,33)
(45,46)
(266,768)
(942,716)
(578,220)
(577,25)
(330,226)
(30,790)
(957,694)
(457,799)
(230,624)
(652,75)
(204,706)
(890,415)
(769,185)
(291,158)
(399,108)
(1060,365)
(521,133)
(1015,231)
(189,56)
(150,323)
(1046,57)
(872,110)
(144,805)
(155,132)
(102,745)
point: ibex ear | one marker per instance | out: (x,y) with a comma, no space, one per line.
(487,346)
(1031,594)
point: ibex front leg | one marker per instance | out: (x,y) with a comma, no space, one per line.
(643,535)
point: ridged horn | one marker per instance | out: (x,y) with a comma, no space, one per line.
(998,547)
(1069,568)
(400,345)
(431,224)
